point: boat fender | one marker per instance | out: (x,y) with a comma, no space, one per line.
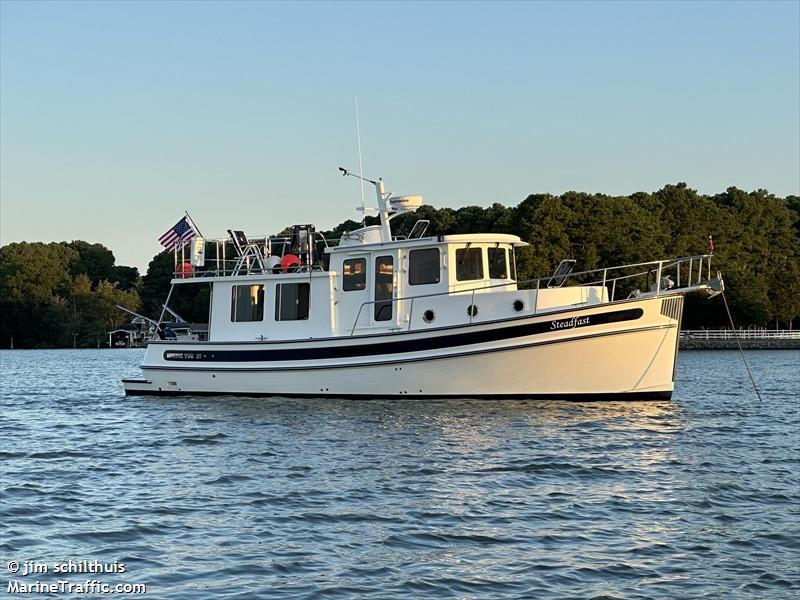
(289,263)
(185,270)
(274,264)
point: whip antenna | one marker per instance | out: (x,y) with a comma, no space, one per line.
(360,167)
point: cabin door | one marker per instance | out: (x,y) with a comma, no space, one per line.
(355,308)
(384,307)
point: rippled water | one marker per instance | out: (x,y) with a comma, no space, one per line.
(247,498)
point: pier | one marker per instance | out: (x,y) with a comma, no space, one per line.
(750,339)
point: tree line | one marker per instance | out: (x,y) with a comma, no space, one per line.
(64,294)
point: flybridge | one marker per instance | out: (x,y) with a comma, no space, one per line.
(304,250)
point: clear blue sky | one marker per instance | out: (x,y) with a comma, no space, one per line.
(115,117)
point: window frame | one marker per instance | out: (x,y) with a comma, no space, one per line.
(388,301)
(502,252)
(438,266)
(363,277)
(260,299)
(279,303)
(470,250)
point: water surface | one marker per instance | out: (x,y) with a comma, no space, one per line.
(246,498)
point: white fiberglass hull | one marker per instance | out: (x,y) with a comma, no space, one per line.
(626,349)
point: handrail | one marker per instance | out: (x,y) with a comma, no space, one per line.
(358,315)
(218,265)
(742,334)
(392,300)
(538,280)
(230,272)
(659,267)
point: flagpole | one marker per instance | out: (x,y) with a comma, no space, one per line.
(196,228)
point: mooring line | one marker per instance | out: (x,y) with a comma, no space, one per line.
(738,343)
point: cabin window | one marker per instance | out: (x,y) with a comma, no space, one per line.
(247,303)
(469,264)
(291,301)
(384,287)
(498,266)
(423,266)
(354,274)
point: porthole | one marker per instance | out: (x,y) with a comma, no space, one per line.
(428,316)
(518,305)
(472,310)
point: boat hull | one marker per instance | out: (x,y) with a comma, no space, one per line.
(624,350)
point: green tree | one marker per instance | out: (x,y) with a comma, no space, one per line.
(156,283)
(543,221)
(49,301)
(190,300)
(94,260)
(127,278)
(33,272)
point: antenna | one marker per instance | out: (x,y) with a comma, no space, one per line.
(348,173)
(383,207)
(360,167)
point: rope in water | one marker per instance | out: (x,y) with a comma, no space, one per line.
(741,352)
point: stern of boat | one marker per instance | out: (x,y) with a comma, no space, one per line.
(139,387)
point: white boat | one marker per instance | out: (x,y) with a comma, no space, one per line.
(379,316)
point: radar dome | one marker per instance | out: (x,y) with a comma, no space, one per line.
(405,203)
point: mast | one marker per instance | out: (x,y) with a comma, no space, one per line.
(386,230)
(383,206)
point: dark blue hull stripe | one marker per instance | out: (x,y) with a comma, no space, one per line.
(394,360)
(404,346)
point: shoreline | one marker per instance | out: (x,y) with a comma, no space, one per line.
(747,344)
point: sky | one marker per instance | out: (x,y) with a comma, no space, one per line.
(116,117)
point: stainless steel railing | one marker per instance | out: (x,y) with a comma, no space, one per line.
(694,268)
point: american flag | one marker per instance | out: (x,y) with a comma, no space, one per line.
(179,235)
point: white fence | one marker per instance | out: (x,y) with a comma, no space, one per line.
(742,334)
